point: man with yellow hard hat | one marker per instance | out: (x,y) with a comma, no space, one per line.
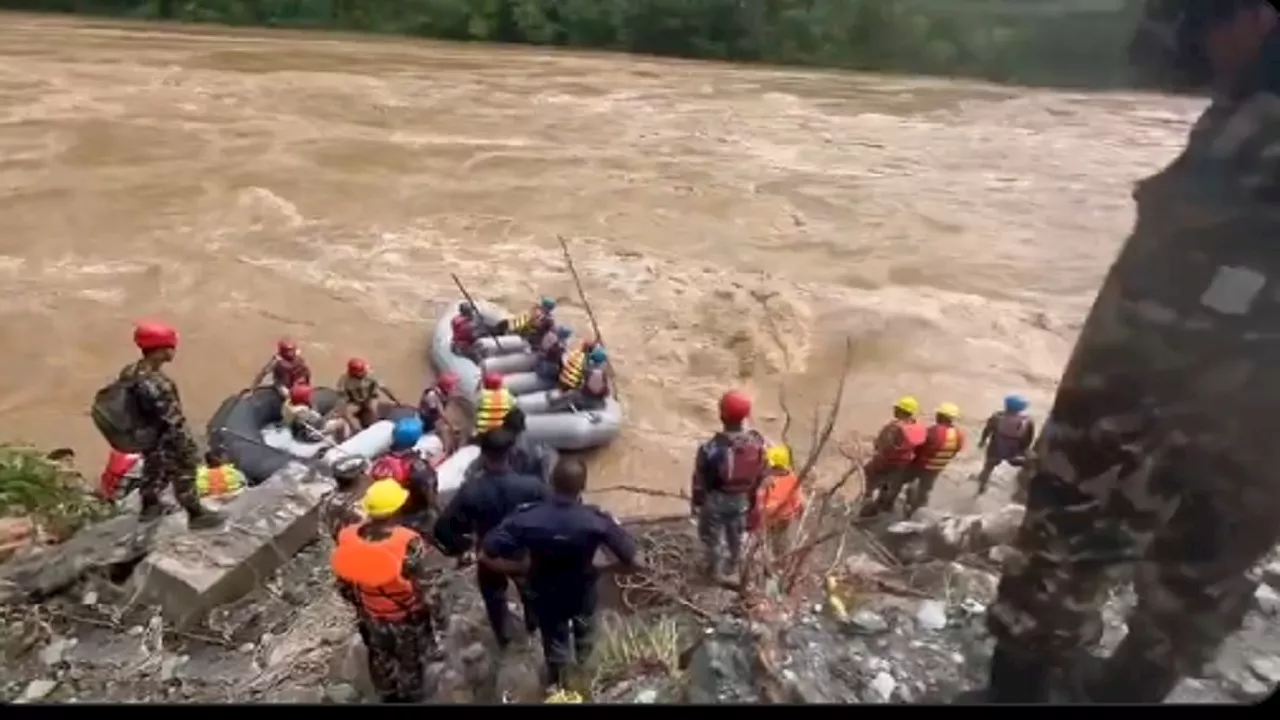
(895,450)
(779,502)
(942,442)
(382,571)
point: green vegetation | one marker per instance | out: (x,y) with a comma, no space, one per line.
(50,493)
(1053,42)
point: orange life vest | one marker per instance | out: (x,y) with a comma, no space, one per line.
(572,367)
(375,570)
(492,408)
(779,501)
(944,442)
(913,435)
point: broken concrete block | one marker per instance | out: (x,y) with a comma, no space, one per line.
(45,571)
(190,573)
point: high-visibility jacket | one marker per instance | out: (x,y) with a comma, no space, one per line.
(572,368)
(221,480)
(779,500)
(942,443)
(492,408)
(375,570)
(904,453)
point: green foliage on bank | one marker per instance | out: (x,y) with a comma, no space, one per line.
(1054,42)
(49,492)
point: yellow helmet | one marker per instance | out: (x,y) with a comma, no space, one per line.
(907,404)
(384,497)
(950,410)
(778,457)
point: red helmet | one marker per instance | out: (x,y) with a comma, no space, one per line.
(149,335)
(286,348)
(492,381)
(735,406)
(300,394)
(357,367)
(447,382)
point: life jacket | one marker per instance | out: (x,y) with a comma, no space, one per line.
(291,372)
(913,435)
(215,482)
(529,324)
(778,501)
(396,466)
(492,408)
(120,466)
(572,367)
(943,442)
(375,569)
(742,463)
(464,331)
(117,415)
(596,376)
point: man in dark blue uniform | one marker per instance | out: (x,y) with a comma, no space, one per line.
(480,504)
(555,542)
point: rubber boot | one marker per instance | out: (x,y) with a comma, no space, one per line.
(200,517)
(1016,679)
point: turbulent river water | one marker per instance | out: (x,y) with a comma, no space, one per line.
(732,225)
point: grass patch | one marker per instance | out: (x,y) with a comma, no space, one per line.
(51,494)
(632,647)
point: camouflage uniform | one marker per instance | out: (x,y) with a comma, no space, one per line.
(399,651)
(1159,454)
(359,394)
(175,457)
(338,509)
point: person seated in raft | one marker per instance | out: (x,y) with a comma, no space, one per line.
(593,390)
(551,348)
(532,324)
(305,423)
(217,477)
(359,391)
(287,368)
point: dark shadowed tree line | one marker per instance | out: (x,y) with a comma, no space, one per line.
(1052,42)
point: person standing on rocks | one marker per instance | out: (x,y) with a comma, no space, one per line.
(895,449)
(554,544)
(942,442)
(172,458)
(382,570)
(728,471)
(481,503)
(1007,436)
(1159,451)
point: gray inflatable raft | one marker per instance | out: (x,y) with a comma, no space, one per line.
(511,356)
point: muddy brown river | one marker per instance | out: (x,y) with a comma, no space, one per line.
(733,225)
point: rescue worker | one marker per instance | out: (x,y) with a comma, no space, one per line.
(551,350)
(359,389)
(942,442)
(526,457)
(305,423)
(173,458)
(468,326)
(1159,454)
(382,570)
(1007,437)
(533,323)
(593,392)
(432,408)
(494,403)
(779,503)
(406,465)
(480,504)
(573,365)
(217,477)
(340,506)
(895,449)
(287,369)
(727,472)
(554,543)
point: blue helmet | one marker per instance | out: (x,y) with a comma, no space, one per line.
(563,332)
(598,355)
(1015,404)
(406,433)
(547,303)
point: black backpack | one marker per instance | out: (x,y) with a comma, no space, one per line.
(117,416)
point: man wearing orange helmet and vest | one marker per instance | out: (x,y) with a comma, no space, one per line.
(141,412)
(779,503)
(942,442)
(728,471)
(305,423)
(493,404)
(382,570)
(287,368)
(359,389)
(895,449)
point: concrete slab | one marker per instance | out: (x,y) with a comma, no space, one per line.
(189,573)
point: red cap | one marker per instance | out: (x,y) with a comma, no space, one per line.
(357,367)
(150,335)
(735,406)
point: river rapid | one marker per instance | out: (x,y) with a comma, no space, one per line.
(733,225)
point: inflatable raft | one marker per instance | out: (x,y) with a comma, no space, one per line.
(512,357)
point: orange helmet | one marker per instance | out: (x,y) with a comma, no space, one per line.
(735,406)
(151,335)
(492,381)
(357,367)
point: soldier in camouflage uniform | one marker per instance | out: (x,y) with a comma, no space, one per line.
(383,571)
(341,506)
(1159,454)
(174,457)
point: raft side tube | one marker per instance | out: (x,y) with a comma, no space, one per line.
(576,430)
(496,348)
(450,473)
(527,382)
(508,364)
